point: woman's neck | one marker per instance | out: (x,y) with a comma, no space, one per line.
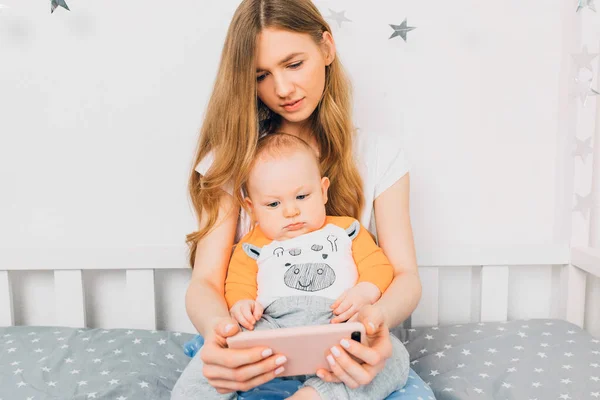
(302,131)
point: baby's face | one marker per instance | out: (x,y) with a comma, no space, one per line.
(287,195)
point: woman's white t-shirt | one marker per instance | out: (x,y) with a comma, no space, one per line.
(381,161)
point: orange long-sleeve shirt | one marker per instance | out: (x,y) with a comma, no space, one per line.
(371,264)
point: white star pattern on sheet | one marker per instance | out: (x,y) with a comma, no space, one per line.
(560,350)
(155,364)
(88,374)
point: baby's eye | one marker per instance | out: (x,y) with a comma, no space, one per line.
(273,204)
(301,197)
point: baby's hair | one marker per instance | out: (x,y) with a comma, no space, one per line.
(281,144)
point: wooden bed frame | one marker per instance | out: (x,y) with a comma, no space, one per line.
(140,266)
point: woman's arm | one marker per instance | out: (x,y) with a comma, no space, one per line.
(227,370)
(205,298)
(396,304)
(394,233)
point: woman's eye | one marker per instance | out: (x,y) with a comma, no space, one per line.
(296,65)
(301,197)
(273,204)
(260,78)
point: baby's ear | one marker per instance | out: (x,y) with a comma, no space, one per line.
(249,204)
(325,187)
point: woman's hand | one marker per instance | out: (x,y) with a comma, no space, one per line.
(374,354)
(229,370)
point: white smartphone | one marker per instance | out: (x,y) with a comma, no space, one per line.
(305,347)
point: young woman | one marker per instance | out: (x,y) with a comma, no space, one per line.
(279,72)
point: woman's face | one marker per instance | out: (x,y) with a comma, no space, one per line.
(290,67)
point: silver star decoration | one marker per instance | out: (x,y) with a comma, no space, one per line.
(401,30)
(584,205)
(583,89)
(339,17)
(56,3)
(584,59)
(586,3)
(583,148)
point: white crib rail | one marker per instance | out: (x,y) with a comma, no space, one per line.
(6,303)
(140,266)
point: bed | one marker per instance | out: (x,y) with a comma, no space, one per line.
(490,359)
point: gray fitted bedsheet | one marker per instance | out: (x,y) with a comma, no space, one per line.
(536,359)
(521,360)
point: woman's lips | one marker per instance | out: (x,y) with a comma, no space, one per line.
(295,106)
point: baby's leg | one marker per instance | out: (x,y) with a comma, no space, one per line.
(192,385)
(391,378)
(306,393)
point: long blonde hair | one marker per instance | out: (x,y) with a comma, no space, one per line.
(235,117)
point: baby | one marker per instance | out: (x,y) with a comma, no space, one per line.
(297,265)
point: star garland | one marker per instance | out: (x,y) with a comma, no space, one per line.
(401,30)
(56,3)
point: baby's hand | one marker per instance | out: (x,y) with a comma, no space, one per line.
(353,299)
(246,313)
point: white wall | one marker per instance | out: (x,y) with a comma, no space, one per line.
(100,108)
